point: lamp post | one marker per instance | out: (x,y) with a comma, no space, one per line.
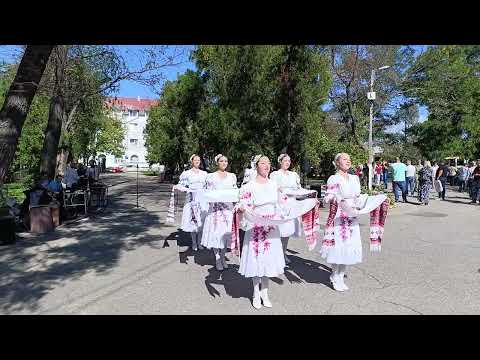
(371,96)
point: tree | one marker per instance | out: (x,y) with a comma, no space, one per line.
(77,73)
(258,99)
(351,69)
(170,133)
(18,100)
(445,80)
(95,131)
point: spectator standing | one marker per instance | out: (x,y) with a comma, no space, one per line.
(476,184)
(462,177)
(399,171)
(442,175)
(411,179)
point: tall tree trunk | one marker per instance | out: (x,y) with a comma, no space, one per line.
(62,160)
(18,100)
(56,115)
(48,160)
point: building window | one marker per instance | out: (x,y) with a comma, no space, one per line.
(134,141)
(134,124)
(133,112)
(134,158)
(141,113)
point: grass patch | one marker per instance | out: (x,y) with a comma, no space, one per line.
(15,190)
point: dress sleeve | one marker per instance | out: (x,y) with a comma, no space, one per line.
(333,189)
(246,197)
(209,182)
(183,182)
(297,181)
(183,179)
(273,176)
(358,187)
(234,181)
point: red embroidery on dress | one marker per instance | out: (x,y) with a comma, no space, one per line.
(333,186)
(329,235)
(344,223)
(260,234)
(219,214)
(246,195)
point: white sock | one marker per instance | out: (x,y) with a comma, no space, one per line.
(284,244)
(264,292)
(334,272)
(256,292)
(222,257)
(194,240)
(264,284)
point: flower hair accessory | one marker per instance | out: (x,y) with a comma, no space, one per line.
(256,159)
(218,157)
(281,157)
(192,157)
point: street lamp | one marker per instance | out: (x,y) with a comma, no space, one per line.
(371,96)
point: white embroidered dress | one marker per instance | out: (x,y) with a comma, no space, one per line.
(217,228)
(192,216)
(346,230)
(262,253)
(288,180)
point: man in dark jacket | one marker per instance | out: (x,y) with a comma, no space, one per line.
(476,184)
(442,175)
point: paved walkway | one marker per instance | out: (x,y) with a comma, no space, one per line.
(126,261)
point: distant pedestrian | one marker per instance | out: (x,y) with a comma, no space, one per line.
(385,174)
(411,171)
(462,177)
(476,185)
(399,171)
(425,183)
(442,176)
(378,171)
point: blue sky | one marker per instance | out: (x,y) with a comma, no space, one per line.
(10,53)
(134,89)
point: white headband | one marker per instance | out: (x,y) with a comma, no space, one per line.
(335,159)
(281,157)
(193,156)
(257,159)
(218,157)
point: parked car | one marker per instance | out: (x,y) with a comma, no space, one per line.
(118,169)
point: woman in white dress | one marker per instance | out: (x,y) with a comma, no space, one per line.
(286,180)
(262,254)
(249,173)
(217,228)
(342,244)
(192,216)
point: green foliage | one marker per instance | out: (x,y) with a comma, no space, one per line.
(445,79)
(150,173)
(172,127)
(27,155)
(30,143)
(15,190)
(94,131)
(244,100)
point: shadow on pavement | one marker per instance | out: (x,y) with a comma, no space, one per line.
(29,274)
(236,285)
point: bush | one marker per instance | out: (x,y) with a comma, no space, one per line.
(150,173)
(15,190)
